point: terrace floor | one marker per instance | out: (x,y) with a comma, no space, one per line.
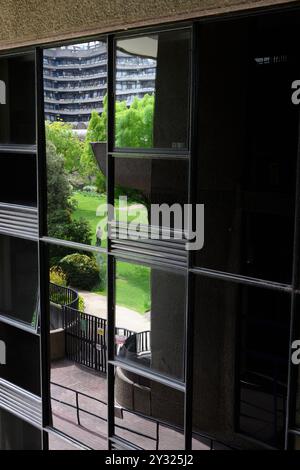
(92,430)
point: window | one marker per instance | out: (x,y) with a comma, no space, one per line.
(247,150)
(78,345)
(17,112)
(19,280)
(22,366)
(147,413)
(150,318)
(75,117)
(16,434)
(18,179)
(157,105)
(248,328)
(139,183)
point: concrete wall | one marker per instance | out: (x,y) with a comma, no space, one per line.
(36,21)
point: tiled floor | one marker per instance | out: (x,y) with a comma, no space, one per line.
(92,430)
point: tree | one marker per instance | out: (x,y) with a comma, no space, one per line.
(134,125)
(96,132)
(61,207)
(66,143)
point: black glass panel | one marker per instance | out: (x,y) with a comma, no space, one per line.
(150,318)
(22,365)
(16,434)
(241,346)
(248,133)
(296,364)
(18,180)
(19,279)
(17,100)
(152,91)
(147,413)
(145,182)
(295,442)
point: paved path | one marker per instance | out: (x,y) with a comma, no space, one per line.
(93,431)
(96,305)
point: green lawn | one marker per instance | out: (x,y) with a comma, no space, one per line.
(133,281)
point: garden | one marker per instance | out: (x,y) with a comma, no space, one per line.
(77,197)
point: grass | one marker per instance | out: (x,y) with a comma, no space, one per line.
(133,281)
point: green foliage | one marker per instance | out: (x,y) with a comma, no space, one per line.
(134,125)
(57,276)
(96,132)
(81,270)
(66,143)
(61,207)
(81,304)
(58,187)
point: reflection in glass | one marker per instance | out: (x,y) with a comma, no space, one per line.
(57,443)
(22,366)
(78,345)
(17,109)
(296,366)
(18,179)
(147,413)
(247,326)
(144,182)
(150,318)
(19,279)
(152,86)
(16,434)
(247,149)
(75,82)
(295,442)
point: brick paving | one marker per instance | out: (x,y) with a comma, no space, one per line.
(92,430)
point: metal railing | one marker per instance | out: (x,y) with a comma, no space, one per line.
(79,410)
(64,296)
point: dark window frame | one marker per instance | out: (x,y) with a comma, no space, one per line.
(192,271)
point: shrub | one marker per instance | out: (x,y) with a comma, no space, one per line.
(81,270)
(57,276)
(81,304)
(75,230)
(90,189)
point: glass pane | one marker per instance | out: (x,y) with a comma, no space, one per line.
(148,414)
(19,279)
(17,99)
(78,345)
(18,180)
(75,82)
(152,91)
(200,442)
(57,443)
(247,148)
(150,318)
(144,182)
(295,361)
(16,434)
(241,336)
(22,362)
(295,442)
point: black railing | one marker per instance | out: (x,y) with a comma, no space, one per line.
(102,418)
(63,296)
(85,338)
(209,441)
